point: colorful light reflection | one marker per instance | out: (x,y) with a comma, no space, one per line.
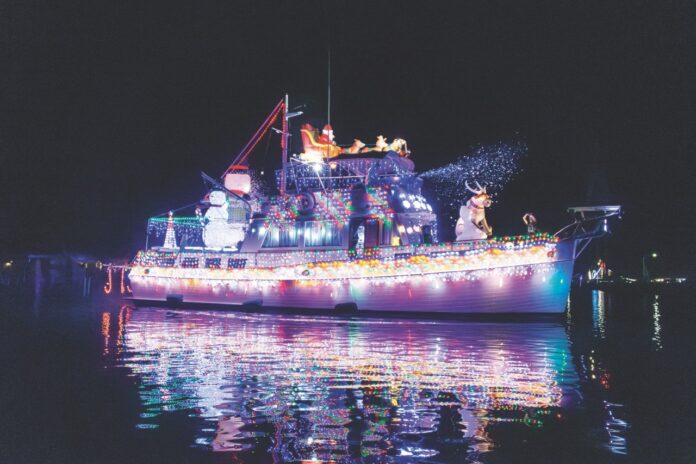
(305,388)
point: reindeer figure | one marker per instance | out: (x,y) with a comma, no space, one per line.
(356,147)
(399,146)
(472,223)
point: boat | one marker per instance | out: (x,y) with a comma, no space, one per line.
(350,229)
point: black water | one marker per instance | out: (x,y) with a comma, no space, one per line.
(99,382)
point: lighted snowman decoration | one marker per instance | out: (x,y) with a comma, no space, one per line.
(222,229)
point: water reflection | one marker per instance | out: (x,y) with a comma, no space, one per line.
(304,388)
(229,387)
(657,327)
(596,378)
(599,312)
(616,428)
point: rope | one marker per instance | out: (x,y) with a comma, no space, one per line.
(175,210)
(258,135)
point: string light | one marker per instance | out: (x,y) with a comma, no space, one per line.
(319,211)
(503,256)
(256,138)
(108,287)
(124,287)
(344,173)
(214,363)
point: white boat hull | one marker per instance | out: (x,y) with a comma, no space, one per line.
(530,288)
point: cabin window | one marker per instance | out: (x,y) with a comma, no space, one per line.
(281,237)
(236,263)
(189,262)
(319,233)
(212,263)
(373,231)
(428,235)
(166,261)
(387,238)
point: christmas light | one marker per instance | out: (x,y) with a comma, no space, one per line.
(124,287)
(448,261)
(108,287)
(308,377)
(356,221)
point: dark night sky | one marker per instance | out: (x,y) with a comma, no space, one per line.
(108,110)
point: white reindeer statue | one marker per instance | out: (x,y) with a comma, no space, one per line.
(472,223)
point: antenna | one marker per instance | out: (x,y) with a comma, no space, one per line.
(328,84)
(284,143)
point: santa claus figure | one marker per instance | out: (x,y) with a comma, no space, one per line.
(327,135)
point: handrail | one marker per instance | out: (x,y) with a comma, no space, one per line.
(579,230)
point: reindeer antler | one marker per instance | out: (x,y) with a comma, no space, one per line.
(481,189)
(475,192)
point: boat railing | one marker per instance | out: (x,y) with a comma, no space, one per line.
(302,175)
(217,258)
(590,222)
(187,232)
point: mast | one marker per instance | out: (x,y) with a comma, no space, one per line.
(284,143)
(328,85)
(284,140)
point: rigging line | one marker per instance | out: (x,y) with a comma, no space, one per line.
(216,184)
(325,13)
(328,81)
(175,210)
(258,135)
(246,155)
(268,147)
(264,127)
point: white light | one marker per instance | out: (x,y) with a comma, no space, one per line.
(430,208)
(409,229)
(316,167)
(406,203)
